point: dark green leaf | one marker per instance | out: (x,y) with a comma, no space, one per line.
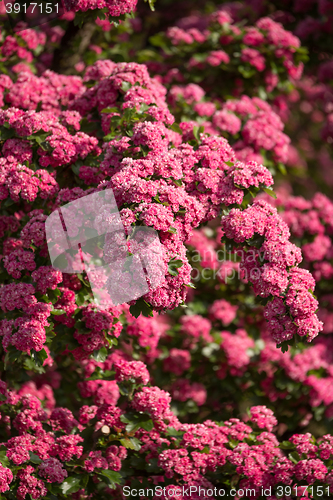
(287,445)
(113,477)
(173,432)
(70,485)
(38,357)
(141,307)
(76,169)
(8,203)
(6,133)
(11,356)
(173,265)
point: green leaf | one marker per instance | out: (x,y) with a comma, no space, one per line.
(135,422)
(148,425)
(176,128)
(158,40)
(282,168)
(45,146)
(197,131)
(141,307)
(233,443)
(172,230)
(135,444)
(131,443)
(11,356)
(287,445)
(76,169)
(284,347)
(152,466)
(138,462)
(6,133)
(80,298)
(144,107)
(34,458)
(256,241)
(54,294)
(173,265)
(113,477)
(151,4)
(110,110)
(270,192)
(294,457)
(101,355)
(190,285)
(125,86)
(70,485)
(8,203)
(61,261)
(58,312)
(132,427)
(178,182)
(3,458)
(262,93)
(38,357)
(171,431)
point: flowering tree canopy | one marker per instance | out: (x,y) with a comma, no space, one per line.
(166,256)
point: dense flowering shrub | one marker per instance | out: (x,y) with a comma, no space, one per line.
(50,443)
(251,126)
(220,376)
(258,58)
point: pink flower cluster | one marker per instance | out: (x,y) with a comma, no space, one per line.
(17,50)
(173,186)
(250,124)
(183,390)
(19,181)
(95,329)
(115,8)
(135,407)
(312,219)
(273,271)
(51,90)
(260,463)
(235,347)
(59,148)
(28,331)
(210,42)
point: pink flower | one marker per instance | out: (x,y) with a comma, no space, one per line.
(263,417)
(253,57)
(216,57)
(6,477)
(52,470)
(177,362)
